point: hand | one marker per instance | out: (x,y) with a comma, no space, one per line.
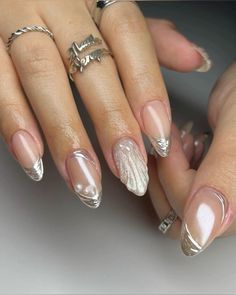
(34,87)
(204,199)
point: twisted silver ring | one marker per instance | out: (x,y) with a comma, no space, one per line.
(33,28)
(98,7)
(167,221)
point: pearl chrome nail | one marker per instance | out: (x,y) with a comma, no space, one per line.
(157,126)
(203,220)
(186,129)
(207,63)
(28,155)
(131,166)
(85,178)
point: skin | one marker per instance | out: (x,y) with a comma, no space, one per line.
(35,92)
(171,187)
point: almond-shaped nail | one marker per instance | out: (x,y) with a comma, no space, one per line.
(186,129)
(27,154)
(85,178)
(157,126)
(131,166)
(206,61)
(203,220)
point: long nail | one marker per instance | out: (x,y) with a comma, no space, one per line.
(207,63)
(131,166)
(27,153)
(203,220)
(85,178)
(157,126)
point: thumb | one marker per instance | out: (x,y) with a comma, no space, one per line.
(211,205)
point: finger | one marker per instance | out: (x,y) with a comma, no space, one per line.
(174,51)
(175,174)
(45,82)
(211,203)
(102,93)
(158,198)
(187,140)
(125,30)
(17,124)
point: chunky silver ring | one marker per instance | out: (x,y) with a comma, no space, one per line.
(98,7)
(77,61)
(33,28)
(167,221)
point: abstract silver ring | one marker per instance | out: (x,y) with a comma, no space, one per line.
(33,28)
(167,221)
(79,62)
(98,7)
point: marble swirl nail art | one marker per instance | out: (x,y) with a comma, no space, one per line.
(131,166)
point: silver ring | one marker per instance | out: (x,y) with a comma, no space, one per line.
(98,7)
(167,221)
(33,28)
(78,62)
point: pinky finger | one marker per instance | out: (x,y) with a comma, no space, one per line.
(159,199)
(17,123)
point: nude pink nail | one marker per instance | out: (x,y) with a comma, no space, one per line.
(28,155)
(85,178)
(157,126)
(203,221)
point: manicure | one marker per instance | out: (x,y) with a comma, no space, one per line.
(85,178)
(186,129)
(27,154)
(207,63)
(131,166)
(203,220)
(157,126)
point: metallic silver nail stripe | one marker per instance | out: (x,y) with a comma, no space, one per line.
(132,168)
(161,145)
(89,195)
(189,246)
(36,172)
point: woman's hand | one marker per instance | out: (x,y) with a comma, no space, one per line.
(204,199)
(123,95)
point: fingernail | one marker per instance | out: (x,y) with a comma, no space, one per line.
(207,63)
(157,126)
(27,153)
(131,166)
(85,178)
(203,220)
(186,129)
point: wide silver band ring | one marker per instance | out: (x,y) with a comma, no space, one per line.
(99,6)
(167,222)
(79,61)
(33,28)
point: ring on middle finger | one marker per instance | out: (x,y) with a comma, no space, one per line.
(78,61)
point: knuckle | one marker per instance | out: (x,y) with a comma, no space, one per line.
(126,24)
(37,61)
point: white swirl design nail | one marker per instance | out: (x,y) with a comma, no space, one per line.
(207,63)
(131,166)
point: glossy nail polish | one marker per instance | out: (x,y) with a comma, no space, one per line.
(186,129)
(157,126)
(27,154)
(85,178)
(131,166)
(203,221)
(207,63)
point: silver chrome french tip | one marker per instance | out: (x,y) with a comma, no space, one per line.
(92,202)
(131,166)
(188,245)
(36,172)
(162,146)
(207,63)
